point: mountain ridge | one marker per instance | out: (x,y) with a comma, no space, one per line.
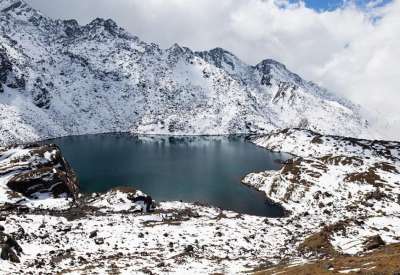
(60,78)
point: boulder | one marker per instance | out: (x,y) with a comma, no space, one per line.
(189,249)
(32,169)
(93,234)
(9,248)
(146,200)
(99,241)
(373,242)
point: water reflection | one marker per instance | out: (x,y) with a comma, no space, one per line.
(188,168)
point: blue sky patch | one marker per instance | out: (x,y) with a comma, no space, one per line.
(324,5)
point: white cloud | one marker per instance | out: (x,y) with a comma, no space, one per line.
(345,50)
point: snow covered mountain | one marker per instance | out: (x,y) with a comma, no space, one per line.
(59,78)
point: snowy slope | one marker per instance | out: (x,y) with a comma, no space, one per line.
(59,78)
(355,183)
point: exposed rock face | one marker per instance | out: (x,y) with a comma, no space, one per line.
(5,66)
(35,169)
(147,202)
(374,242)
(9,248)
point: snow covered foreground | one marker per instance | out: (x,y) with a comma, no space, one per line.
(340,192)
(58,78)
(349,187)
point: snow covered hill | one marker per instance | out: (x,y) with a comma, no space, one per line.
(59,78)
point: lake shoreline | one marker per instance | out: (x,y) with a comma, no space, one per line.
(173,168)
(177,237)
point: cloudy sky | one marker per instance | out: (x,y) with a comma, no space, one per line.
(350,47)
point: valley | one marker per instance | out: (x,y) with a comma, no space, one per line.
(118,156)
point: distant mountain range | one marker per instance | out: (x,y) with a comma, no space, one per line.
(59,78)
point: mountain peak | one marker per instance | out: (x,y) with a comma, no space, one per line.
(100,27)
(217,55)
(17,8)
(267,63)
(271,68)
(176,49)
(71,27)
(9,5)
(103,71)
(220,51)
(175,46)
(103,22)
(108,25)
(21,11)
(223,59)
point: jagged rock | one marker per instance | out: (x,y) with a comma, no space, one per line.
(99,241)
(189,249)
(32,169)
(65,229)
(9,254)
(10,249)
(13,6)
(5,66)
(72,28)
(93,234)
(41,95)
(373,243)
(82,260)
(146,200)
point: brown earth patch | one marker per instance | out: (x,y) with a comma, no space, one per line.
(319,243)
(383,261)
(342,160)
(369,177)
(292,171)
(124,189)
(387,167)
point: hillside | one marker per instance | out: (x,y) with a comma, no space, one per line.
(60,78)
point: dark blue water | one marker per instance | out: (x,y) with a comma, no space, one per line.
(202,169)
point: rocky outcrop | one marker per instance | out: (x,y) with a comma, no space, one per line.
(5,68)
(374,242)
(123,199)
(33,169)
(9,249)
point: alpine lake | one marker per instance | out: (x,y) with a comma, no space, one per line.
(205,169)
